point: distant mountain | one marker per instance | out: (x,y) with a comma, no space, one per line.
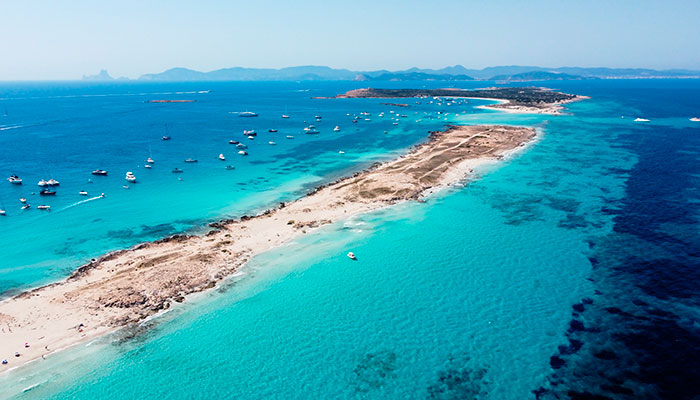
(253,74)
(412,76)
(514,73)
(102,76)
(538,76)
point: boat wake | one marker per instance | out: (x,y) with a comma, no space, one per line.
(8,127)
(81,202)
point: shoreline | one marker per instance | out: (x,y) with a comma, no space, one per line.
(126,287)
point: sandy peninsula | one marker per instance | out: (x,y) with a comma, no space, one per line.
(125,287)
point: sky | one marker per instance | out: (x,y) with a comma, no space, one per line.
(48,39)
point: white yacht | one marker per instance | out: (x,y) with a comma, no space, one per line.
(285,116)
(243,153)
(247,114)
(53,182)
(272,143)
(695,119)
(149,166)
(150,160)
(351,256)
(43,183)
(83,193)
(2,212)
(47,208)
(130,177)
(290,137)
(221,157)
(15,180)
(641,120)
(336,129)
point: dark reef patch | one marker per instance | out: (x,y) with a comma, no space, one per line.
(460,380)
(374,370)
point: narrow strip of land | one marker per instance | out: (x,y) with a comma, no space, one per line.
(125,287)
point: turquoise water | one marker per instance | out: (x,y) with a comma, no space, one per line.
(468,295)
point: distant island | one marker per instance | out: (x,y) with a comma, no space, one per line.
(453,73)
(510,99)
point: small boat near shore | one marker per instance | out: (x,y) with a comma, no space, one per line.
(222,157)
(15,180)
(351,256)
(100,172)
(130,177)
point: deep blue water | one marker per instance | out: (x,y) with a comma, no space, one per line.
(567,272)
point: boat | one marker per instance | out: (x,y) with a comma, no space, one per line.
(272,130)
(43,183)
(26,206)
(233,142)
(247,114)
(241,146)
(250,132)
(221,157)
(22,200)
(336,129)
(83,193)
(150,160)
(354,121)
(251,137)
(243,153)
(53,182)
(641,120)
(230,167)
(285,116)
(130,177)
(311,130)
(165,137)
(271,142)
(99,172)
(47,192)
(47,208)
(149,166)
(290,137)
(191,160)
(318,117)
(695,119)
(341,152)
(351,256)
(177,171)
(15,180)
(2,212)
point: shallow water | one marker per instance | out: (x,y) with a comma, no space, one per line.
(469,295)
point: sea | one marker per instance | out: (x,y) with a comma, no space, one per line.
(567,271)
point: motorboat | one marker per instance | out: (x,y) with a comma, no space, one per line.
(149,166)
(272,130)
(311,130)
(285,116)
(47,208)
(336,129)
(99,172)
(251,137)
(165,137)
(22,200)
(43,183)
(53,182)
(177,171)
(130,177)
(83,193)
(2,212)
(15,180)
(272,143)
(318,117)
(695,119)
(290,137)
(341,152)
(191,160)
(243,153)
(47,192)
(351,256)
(233,142)
(250,133)
(150,160)
(241,146)
(230,167)
(222,157)
(641,120)
(26,206)
(247,114)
